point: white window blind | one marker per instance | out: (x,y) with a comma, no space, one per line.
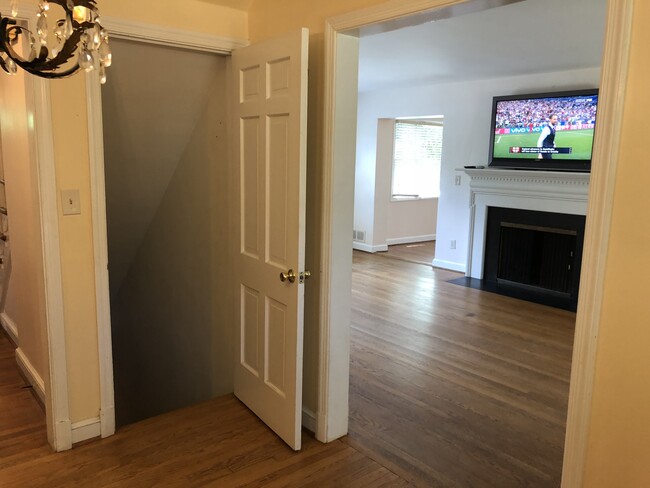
(416,161)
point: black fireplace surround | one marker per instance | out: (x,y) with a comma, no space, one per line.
(534,255)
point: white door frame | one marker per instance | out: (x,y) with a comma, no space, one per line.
(336,235)
(141,32)
(59,426)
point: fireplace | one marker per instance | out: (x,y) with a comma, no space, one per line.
(558,196)
(534,255)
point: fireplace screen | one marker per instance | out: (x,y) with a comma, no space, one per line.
(538,253)
(537,256)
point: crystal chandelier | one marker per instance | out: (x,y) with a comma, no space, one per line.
(58,48)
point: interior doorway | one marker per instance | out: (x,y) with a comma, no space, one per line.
(339,142)
(166,172)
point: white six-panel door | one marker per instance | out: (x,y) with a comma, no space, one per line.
(270,81)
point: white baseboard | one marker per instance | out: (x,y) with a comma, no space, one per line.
(450,265)
(360,246)
(308,419)
(107,421)
(31,374)
(410,239)
(86,429)
(10,327)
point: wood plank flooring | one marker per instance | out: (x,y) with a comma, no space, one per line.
(450,387)
(23,434)
(418,252)
(219,443)
(454,387)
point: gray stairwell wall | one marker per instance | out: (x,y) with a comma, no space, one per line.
(165,134)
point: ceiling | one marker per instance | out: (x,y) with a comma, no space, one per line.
(528,37)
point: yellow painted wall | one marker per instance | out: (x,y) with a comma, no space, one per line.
(619,445)
(25,298)
(223,18)
(76,240)
(269,18)
(72,172)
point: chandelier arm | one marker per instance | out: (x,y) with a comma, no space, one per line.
(45,68)
(41,65)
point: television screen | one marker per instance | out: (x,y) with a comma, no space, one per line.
(553,131)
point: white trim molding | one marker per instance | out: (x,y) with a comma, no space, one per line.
(10,327)
(30,373)
(449,265)
(57,402)
(308,419)
(597,234)
(100,246)
(86,430)
(140,32)
(169,36)
(410,239)
(361,246)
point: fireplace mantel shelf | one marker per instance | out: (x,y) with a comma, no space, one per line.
(518,177)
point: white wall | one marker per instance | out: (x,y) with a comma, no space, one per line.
(388,222)
(467,109)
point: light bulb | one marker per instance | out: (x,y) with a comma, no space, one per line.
(14,8)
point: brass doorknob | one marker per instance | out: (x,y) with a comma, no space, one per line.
(289,276)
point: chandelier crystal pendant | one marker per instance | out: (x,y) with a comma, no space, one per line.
(57,48)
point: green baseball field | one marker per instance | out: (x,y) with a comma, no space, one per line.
(580,140)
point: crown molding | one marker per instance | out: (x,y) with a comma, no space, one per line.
(170,36)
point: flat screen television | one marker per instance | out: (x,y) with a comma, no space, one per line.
(545,131)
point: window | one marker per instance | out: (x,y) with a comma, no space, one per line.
(416,160)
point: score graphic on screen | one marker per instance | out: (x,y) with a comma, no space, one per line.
(541,150)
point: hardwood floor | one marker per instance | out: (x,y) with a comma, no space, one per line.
(450,387)
(454,387)
(419,252)
(23,434)
(219,443)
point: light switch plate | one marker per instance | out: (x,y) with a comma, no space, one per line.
(70,202)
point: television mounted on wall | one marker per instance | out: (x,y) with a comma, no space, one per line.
(544,131)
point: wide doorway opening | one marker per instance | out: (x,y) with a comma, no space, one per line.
(452,385)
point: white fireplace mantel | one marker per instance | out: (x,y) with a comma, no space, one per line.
(543,191)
